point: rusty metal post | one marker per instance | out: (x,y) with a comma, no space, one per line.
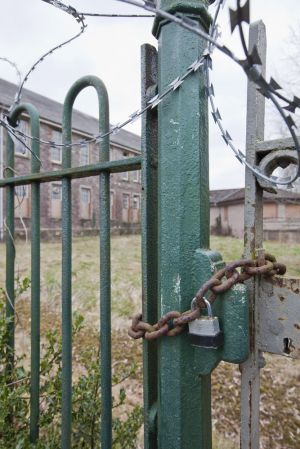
(253,242)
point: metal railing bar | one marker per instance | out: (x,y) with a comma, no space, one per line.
(10,255)
(105,313)
(105,277)
(35,272)
(131,164)
(35,262)
(35,312)
(66,313)
(35,286)
(66,305)
(106,393)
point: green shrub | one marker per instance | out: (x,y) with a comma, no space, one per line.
(15,394)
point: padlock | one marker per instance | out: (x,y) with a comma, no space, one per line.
(205,331)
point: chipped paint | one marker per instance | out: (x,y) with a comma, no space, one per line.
(177,286)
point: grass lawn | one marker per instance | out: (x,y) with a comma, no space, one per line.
(231,248)
(280,408)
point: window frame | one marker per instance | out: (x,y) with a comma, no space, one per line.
(53,184)
(138,196)
(112,194)
(84,145)
(125,174)
(127,195)
(136,176)
(89,189)
(18,144)
(55,133)
(25,190)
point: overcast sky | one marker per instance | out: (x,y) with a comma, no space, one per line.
(110,49)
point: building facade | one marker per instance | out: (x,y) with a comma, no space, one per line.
(125,193)
(281,214)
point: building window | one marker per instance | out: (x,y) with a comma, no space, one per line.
(20,149)
(21,192)
(136,202)
(22,202)
(113,154)
(85,195)
(56,192)
(136,176)
(112,204)
(226,213)
(56,197)
(56,152)
(85,203)
(270,210)
(125,198)
(84,154)
(125,175)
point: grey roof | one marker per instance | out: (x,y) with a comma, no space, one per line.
(233,196)
(218,196)
(52,111)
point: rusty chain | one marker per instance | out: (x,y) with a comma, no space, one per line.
(173,323)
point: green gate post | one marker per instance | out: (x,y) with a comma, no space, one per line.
(184,419)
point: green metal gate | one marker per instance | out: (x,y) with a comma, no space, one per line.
(175,223)
(104,168)
(176,258)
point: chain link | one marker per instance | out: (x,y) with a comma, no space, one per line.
(173,323)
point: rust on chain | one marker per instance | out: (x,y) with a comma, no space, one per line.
(187,317)
(261,269)
(173,323)
(279,268)
(208,285)
(270,257)
(228,283)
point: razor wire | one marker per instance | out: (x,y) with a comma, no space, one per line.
(15,67)
(78,17)
(151,104)
(251,66)
(123,16)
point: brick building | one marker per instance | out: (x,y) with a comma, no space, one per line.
(281,214)
(125,194)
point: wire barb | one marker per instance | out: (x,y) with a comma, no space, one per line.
(78,17)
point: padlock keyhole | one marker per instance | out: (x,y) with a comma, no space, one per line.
(287,345)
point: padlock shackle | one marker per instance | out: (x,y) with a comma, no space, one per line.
(208,306)
(207,303)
